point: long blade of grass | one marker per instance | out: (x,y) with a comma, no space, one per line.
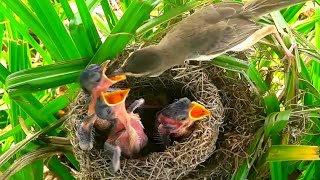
(31,157)
(309,172)
(109,14)
(168,16)
(272,103)
(59,169)
(277,171)
(256,77)
(291,14)
(7,155)
(29,103)
(123,32)
(23,30)
(77,31)
(73,160)
(51,108)
(315,64)
(55,29)
(40,78)
(28,17)
(275,122)
(2,20)
(88,24)
(18,60)
(292,153)
(231,63)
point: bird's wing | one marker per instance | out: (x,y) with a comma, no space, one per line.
(213,30)
(223,36)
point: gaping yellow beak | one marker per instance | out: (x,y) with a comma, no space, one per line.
(116,97)
(116,78)
(197,111)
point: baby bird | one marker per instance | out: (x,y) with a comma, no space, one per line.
(127,137)
(94,81)
(176,120)
(128,133)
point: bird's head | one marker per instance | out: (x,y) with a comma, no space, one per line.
(145,62)
(90,77)
(103,111)
(94,75)
(184,109)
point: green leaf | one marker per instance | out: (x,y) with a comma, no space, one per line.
(272,104)
(89,26)
(29,18)
(231,63)
(168,16)
(31,157)
(73,160)
(23,30)
(275,122)
(309,172)
(7,155)
(109,14)
(4,73)
(59,169)
(291,13)
(40,78)
(18,60)
(16,129)
(277,171)
(256,77)
(77,31)
(123,32)
(55,29)
(292,153)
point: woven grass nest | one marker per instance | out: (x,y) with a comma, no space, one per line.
(177,160)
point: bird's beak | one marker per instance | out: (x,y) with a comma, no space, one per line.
(115,97)
(117,72)
(117,77)
(198,111)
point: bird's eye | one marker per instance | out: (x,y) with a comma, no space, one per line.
(181,118)
(96,77)
(107,113)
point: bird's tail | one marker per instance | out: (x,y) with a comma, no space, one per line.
(256,8)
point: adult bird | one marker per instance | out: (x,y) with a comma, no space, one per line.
(177,119)
(208,33)
(127,136)
(94,81)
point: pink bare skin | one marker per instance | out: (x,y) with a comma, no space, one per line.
(129,132)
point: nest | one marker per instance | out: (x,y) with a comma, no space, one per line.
(176,161)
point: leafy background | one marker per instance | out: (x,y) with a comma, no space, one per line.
(46,44)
